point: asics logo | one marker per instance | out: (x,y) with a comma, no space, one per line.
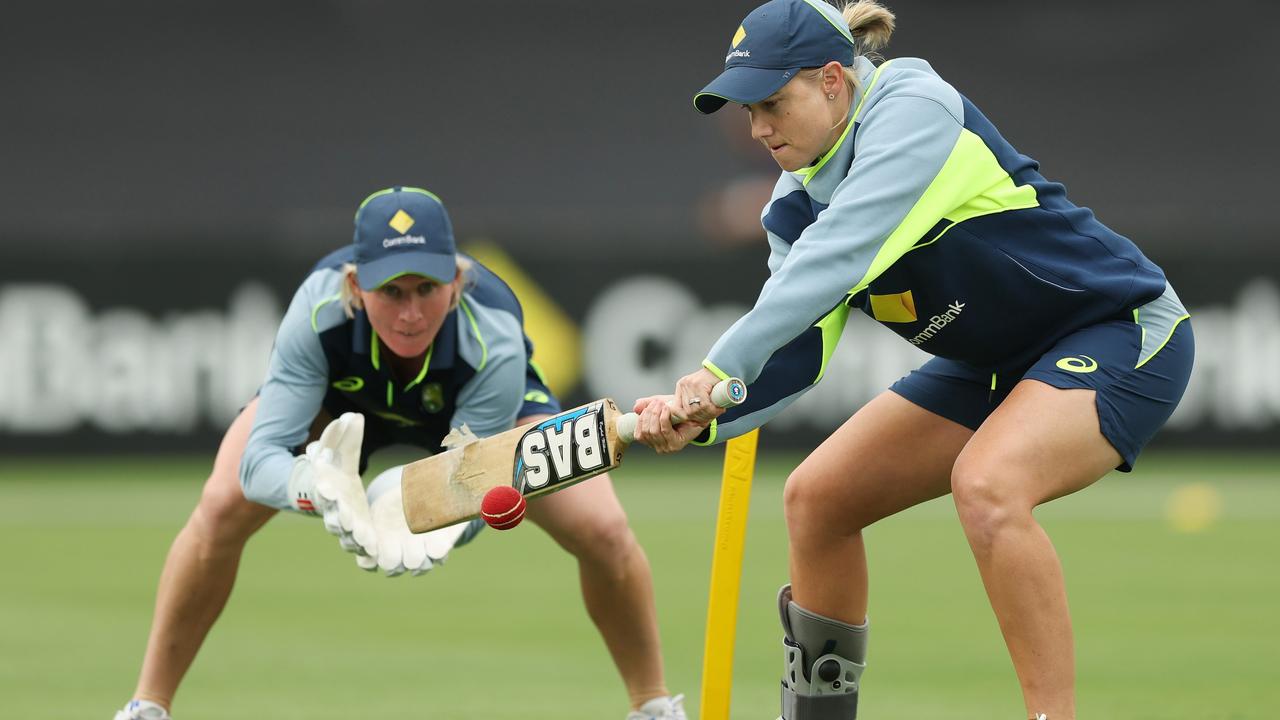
(349,384)
(1082,364)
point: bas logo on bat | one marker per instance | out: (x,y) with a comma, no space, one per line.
(561,448)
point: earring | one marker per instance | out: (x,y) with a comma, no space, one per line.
(831,96)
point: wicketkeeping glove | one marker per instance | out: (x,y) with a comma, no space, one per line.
(326,481)
(400,550)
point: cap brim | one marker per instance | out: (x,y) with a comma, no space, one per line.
(743,85)
(376,273)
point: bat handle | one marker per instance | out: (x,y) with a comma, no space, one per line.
(725,394)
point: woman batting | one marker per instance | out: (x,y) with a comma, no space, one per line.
(396,339)
(1060,349)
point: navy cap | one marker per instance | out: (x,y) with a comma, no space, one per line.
(774,42)
(403,231)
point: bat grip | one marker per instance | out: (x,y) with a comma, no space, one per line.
(725,394)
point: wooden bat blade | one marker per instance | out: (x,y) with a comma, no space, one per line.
(541,457)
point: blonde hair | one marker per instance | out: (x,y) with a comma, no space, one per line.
(871,25)
(351,302)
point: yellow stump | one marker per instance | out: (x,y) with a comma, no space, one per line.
(726,575)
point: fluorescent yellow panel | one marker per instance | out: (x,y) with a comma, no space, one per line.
(970,183)
(832,326)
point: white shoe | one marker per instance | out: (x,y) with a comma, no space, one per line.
(660,708)
(143,710)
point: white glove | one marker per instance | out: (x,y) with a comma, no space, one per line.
(400,550)
(326,482)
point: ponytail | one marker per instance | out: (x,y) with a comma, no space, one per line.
(870,23)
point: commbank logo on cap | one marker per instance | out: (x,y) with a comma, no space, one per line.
(734,52)
(401,221)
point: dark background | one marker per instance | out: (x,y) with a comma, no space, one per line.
(155,156)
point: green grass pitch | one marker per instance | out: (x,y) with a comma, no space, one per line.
(1170,624)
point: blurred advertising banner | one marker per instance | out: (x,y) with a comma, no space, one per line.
(100,365)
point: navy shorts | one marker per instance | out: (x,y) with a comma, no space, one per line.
(1138,380)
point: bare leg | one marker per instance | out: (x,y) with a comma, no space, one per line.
(617,587)
(1040,444)
(890,455)
(200,569)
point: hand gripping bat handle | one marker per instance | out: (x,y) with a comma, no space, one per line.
(726,393)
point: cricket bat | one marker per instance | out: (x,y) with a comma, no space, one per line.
(537,458)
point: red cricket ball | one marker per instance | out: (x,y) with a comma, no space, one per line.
(502,507)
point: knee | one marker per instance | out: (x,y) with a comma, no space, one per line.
(799,499)
(224,517)
(986,503)
(605,540)
(810,509)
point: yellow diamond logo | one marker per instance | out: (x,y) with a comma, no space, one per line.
(402,222)
(739,36)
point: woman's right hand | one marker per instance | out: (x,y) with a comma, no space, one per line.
(326,481)
(654,426)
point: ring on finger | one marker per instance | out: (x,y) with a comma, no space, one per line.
(693,401)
